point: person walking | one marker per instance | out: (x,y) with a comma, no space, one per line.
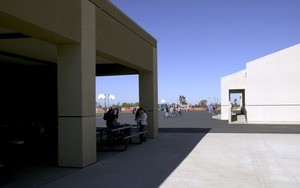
(179,112)
(166,112)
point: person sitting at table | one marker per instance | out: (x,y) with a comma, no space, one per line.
(112,121)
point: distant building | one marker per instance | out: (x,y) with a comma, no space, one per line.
(269,87)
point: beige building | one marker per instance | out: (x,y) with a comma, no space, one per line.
(269,87)
(50,55)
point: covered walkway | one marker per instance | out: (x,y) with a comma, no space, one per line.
(50,55)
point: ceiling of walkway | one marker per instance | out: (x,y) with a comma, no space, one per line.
(17,48)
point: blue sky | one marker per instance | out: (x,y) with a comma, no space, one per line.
(200,41)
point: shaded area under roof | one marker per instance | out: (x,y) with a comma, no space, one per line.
(114,69)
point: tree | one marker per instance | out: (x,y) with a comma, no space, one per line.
(203,103)
(182,100)
(128,105)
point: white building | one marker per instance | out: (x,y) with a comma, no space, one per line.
(270,89)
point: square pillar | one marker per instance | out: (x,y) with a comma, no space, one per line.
(76,95)
(148,97)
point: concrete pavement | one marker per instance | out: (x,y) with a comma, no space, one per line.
(240,160)
(195,150)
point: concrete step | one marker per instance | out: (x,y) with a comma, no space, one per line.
(239,119)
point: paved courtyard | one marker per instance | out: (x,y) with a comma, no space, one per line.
(192,150)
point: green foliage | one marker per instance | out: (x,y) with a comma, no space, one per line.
(128,105)
(203,103)
(182,100)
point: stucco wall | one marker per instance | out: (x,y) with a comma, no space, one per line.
(57,21)
(117,39)
(234,81)
(273,93)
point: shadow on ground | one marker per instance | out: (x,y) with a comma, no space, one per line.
(145,165)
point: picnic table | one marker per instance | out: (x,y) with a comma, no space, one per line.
(117,136)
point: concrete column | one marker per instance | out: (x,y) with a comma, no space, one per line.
(148,97)
(76,95)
